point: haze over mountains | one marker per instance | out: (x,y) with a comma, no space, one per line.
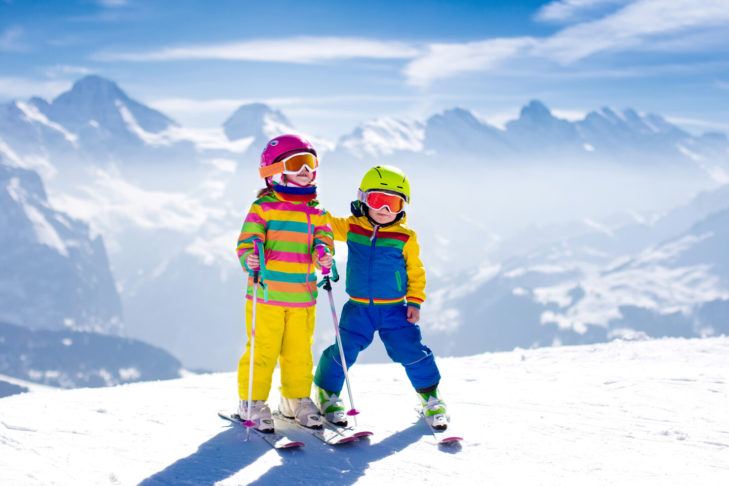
(544,231)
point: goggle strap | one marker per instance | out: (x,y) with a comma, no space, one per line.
(271,170)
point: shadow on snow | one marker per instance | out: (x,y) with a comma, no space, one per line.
(224,455)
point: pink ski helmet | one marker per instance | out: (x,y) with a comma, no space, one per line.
(278,149)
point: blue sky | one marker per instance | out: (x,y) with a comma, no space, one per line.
(329,65)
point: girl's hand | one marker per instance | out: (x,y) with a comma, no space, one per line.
(325,261)
(253,262)
(413,314)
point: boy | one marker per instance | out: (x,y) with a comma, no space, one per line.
(385,283)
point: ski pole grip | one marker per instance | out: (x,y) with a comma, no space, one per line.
(257,252)
(321,250)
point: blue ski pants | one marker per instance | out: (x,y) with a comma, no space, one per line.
(402,341)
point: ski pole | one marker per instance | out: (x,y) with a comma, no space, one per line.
(327,285)
(249,423)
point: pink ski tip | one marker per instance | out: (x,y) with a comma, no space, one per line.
(353,412)
(249,423)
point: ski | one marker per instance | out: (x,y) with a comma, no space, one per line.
(274,439)
(325,434)
(348,430)
(442,436)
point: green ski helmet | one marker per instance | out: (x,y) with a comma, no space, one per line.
(385,178)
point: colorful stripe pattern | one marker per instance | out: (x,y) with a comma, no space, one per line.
(383,265)
(290,230)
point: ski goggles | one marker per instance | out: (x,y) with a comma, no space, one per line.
(293,164)
(379,199)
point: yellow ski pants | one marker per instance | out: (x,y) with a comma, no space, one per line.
(283,335)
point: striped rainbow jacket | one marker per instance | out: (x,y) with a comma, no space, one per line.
(290,230)
(383,264)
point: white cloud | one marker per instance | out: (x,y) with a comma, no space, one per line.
(60,70)
(447,60)
(10,40)
(634,27)
(13,87)
(113,3)
(302,50)
(568,10)
(640,25)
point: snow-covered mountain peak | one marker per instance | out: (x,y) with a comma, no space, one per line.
(256,120)
(384,136)
(93,87)
(93,102)
(458,115)
(536,111)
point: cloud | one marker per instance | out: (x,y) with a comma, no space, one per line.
(635,26)
(13,87)
(570,10)
(10,40)
(113,3)
(60,70)
(447,60)
(302,50)
(642,25)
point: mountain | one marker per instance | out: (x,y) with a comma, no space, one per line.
(258,121)
(98,105)
(596,287)
(71,359)
(55,273)
(551,416)
(458,132)
(537,137)
(384,136)
(93,124)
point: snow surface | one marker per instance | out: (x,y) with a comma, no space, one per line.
(647,412)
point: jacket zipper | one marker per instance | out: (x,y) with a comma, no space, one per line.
(372,262)
(310,241)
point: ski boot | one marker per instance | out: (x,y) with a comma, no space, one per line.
(434,409)
(302,410)
(331,407)
(260,414)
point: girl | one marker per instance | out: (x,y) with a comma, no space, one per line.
(286,218)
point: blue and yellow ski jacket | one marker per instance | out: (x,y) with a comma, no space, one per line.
(383,266)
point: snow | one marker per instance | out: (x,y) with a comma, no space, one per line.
(34,115)
(626,412)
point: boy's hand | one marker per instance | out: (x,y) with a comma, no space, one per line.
(325,261)
(253,261)
(413,314)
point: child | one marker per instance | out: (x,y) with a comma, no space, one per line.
(285,217)
(385,283)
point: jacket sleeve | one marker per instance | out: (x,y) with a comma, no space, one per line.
(340,228)
(416,272)
(254,228)
(323,236)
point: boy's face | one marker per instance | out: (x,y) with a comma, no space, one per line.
(382,216)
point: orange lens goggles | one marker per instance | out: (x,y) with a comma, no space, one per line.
(379,200)
(294,163)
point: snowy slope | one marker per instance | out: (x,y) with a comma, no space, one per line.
(649,413)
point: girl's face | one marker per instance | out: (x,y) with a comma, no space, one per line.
(382,216)
(303,178)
